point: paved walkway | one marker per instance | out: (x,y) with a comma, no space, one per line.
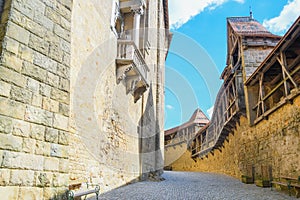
(196,186)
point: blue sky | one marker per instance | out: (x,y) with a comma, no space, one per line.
(198,49)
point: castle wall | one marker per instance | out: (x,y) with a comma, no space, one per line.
(114,140)
(63,116)
(34,98)
(104,120)
(174,152)
(274,142)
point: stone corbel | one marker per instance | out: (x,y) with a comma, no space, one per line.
(137,10)
(122,71)
(131,84)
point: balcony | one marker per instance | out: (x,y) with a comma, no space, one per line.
(131,69)
(126,6)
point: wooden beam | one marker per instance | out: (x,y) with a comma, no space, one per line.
(285,71)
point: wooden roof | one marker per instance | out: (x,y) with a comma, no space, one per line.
(247,26)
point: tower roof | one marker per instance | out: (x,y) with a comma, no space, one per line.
(247,26)
(198,117)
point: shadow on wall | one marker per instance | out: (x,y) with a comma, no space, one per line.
(151,159)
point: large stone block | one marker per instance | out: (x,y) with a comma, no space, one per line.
(37,131)
(17,160)
(51,164)
(60,180)
(63,71)
(4,177)
(26,53)
(39,116)
(11,192)
(44,179)
(67,3)
(43,21)
(43,148)
(50,105)
(65,24)
(64,165)
(64,84)
(27,23)
(65,46)
(10,142)
(11,61)
(12,108)
(24,7)
(63,11)
(55,51)
(22,177)
(29,145)
(52,79)
(12,77)
(33,85)
(45,62)
(21,94)
(4,89)
(66,59)
(34,71)
(59,151)
(45,89)
(38,44)
(51,135)
(61,32)
(60,96)
(6,124)
(63,138)
(21,128)
(11,45)
(61,122)
(18,33)
(37,100)
(64,109)
(50,193)
(53,15)
(31,193)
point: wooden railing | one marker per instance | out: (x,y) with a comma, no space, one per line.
(273,94)
(226,109)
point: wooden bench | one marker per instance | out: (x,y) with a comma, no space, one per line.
(290,183)
(73,194)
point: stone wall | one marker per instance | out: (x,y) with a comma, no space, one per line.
(34,98)
(253,57)
(63,116)
(254,52)
(114,140)
(174,152)
(274,142)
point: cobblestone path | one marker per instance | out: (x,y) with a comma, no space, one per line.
(196,186)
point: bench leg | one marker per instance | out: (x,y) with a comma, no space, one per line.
(97,189)
(70,195)
(289,187)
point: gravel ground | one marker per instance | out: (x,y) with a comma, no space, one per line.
(196,186)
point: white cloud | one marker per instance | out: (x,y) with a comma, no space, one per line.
(170,107)
(210,112)
(182,11)
(287,16)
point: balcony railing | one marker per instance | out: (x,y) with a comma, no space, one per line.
(132,68)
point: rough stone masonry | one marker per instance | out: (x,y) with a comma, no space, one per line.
(48,136)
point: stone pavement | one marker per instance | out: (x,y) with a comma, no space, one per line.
(196,186)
